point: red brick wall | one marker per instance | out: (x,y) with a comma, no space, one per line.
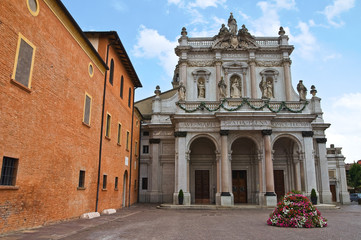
(44,128)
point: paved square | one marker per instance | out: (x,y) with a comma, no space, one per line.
(144,221)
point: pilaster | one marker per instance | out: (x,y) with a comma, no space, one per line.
(271,198)
(310,171)
(324,192)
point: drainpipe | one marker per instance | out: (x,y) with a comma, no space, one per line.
(131,149)
(139,144)
(101,128)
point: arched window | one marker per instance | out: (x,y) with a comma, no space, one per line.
(130,96)
(111,74)
(121,86)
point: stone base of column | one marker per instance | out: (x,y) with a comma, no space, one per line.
(226,199)
(326,197)
(345,198)
(260,198)
(155,197)
(270,199)
(186,198)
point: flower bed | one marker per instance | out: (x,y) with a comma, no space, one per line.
(296,210)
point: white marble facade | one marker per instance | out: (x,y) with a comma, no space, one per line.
(233,129)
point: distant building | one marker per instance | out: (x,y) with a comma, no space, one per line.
(233,129)
(52,83)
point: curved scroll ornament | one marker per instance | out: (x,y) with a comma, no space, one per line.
(203,105)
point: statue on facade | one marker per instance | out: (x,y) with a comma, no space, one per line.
(232,24)
(235,88)
(266,86)
(181,92)
(302,90)
(201,89)
(223,31)
(222,88)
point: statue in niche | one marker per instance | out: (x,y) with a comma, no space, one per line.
(232,24)
(302,90)
(181,92)
(266,86)
(235,88)
(222,88)
(201,88)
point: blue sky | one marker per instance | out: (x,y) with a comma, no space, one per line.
(326,35)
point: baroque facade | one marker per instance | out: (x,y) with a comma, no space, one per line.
(233,129)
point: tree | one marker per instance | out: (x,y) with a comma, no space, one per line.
(355,175)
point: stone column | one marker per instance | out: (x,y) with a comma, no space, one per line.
(297,170)
(287,77)
(260,176)
(252,65)
(244,87)
(218,77)
(155,195)
(271,199)
(218,194)
(344,194)
(325,193)
(227,83)
(183,72)
(181,168)
(226,197)
(310,171)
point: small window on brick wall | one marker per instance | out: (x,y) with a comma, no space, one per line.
(145,149)
(119,133)
(87,109)
(116,183)
(105,181)
(9,171)
(24,62)
(107,125)
(127,144)
(81,179)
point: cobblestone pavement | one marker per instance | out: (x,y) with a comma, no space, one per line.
(144,221)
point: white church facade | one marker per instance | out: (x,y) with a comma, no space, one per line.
(233,129)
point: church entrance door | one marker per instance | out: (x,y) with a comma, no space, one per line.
(202,187)
(279,184)
(239,186)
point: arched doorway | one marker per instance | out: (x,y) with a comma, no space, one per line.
(244,170)
(286,166)
(203,171)
(125,181)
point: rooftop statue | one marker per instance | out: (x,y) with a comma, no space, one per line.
(232,24)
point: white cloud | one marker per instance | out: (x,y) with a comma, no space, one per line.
(345,130)
(206,3)
(306,42)
(211,30)
(150,44)
(333,12)
(331,57)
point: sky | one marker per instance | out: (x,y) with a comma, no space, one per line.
(326,35)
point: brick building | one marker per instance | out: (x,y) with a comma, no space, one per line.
(58,158)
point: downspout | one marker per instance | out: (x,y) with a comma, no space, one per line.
(101,129)
(140,140)
(131,149)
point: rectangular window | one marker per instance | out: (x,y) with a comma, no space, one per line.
(81,179)
(119,133)
(87,109)
(116,183)
(145,149)
(145,133)
(105,181)
(127,145)
(24,62)
(121,86)
(144,183)
(8,171)
(107,128)
(136,148)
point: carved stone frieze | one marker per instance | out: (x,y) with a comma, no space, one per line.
(269,63)
(201,63)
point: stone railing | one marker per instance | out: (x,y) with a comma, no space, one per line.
(267,41)
(206,42)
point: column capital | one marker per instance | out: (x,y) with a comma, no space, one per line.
(266,132)
(180,134)
(307,133)
(224,132)
(154,141)
(321,140)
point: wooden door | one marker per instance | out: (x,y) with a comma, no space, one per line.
(202,187)
(279,184)
(333,192)
(239,186)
